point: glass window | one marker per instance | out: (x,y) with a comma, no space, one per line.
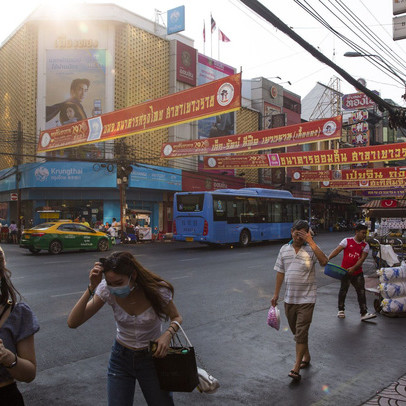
(234,210)
(43,226)
(288,212)
(188,203)
(67,227)
(298,211)
(219,209)
(80,228)
(276,212)
(262,211)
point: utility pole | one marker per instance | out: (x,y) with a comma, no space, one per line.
(18,174)
(123,172)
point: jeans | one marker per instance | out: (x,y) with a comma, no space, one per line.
(11,396)
(125,368)
(359,284)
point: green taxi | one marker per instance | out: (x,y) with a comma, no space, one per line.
(58,236)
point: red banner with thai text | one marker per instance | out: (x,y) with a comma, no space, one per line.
(304,133)
(213,98)
(376,153)
(364,184)
(349,174)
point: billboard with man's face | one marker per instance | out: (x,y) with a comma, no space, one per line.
(75,85)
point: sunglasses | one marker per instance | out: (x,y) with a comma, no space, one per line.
(109,263)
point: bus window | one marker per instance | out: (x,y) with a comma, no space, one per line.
(262,211)
(250,214)
(187,203)
(277,212)
(234,210)
(219,209)
(297,211)
(288,213)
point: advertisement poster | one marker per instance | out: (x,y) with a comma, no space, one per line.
(220,96)
(75,85)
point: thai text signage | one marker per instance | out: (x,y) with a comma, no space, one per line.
(305,133)
(376,153)
(355,101)
(349,174)
(364,184)
(393,192)
(188,105)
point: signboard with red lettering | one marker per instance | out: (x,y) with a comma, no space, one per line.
(376,153)
(213,98)
(356,101)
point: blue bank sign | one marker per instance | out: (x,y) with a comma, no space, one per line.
(176,20)
(156,177)
(67,174)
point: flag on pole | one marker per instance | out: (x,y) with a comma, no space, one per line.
(223,37)
(204,31)
(213,24)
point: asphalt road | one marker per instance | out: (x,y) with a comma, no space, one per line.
(223,295)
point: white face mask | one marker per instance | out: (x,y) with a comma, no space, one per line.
(121,291)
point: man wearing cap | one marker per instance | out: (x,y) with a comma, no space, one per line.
(295,265)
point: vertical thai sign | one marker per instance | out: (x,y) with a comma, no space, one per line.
(186,58)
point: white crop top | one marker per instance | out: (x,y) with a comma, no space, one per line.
(134,331)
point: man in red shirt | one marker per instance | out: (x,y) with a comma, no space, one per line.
(355,252)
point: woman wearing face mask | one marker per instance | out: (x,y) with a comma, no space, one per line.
(140,301)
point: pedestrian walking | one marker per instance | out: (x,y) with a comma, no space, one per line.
(140,301)
(355,252)
(295,265)
(13,230)
(18,325)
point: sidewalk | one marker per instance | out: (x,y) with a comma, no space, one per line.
(394,394)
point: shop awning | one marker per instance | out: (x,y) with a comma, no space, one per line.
(385,204)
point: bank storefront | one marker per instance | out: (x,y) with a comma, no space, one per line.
(67,190)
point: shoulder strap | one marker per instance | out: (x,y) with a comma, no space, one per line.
(183,332)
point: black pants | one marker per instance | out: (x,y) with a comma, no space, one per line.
(358,282)
(11,396)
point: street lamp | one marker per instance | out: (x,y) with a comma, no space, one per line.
(352,54)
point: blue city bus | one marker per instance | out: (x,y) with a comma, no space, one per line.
(229,216)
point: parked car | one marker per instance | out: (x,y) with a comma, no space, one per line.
(58,236)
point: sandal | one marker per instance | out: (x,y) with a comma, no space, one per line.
(304,364)
(295,375)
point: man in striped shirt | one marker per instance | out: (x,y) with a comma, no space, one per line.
(296,266)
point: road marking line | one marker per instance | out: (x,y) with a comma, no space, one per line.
(67,294)
(189,259)
(182,277)
(57,262)
(17,277)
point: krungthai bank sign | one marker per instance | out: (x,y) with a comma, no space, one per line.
(356,101)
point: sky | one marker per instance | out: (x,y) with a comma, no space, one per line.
(259,49)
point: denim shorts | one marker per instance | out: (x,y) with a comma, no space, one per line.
(126,367)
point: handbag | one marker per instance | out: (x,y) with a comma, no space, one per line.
(177,371)
(207,382)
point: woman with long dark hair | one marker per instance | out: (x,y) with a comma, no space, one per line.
(18,325)
(141,301)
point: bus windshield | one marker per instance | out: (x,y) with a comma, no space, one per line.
(190,203)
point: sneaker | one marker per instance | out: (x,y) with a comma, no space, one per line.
(367,316)
(341,314)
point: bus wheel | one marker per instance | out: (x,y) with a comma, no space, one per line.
(244,238)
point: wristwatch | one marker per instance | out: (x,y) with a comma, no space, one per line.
(14,363)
